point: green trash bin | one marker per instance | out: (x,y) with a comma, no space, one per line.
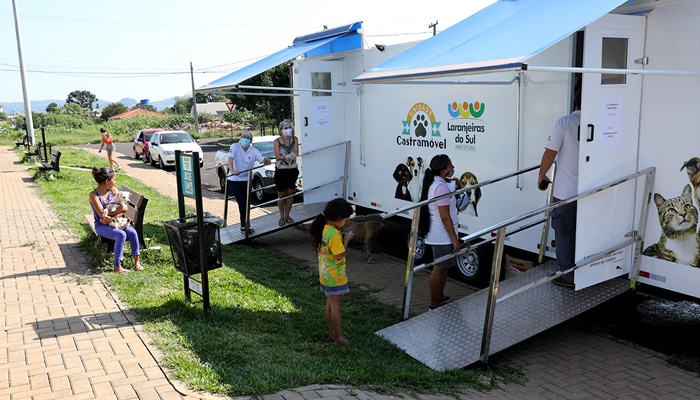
(183,238)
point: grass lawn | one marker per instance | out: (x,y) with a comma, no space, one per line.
(266,330)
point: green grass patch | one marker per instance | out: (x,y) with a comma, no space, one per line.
(266,330)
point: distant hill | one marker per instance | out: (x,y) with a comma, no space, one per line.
(40,105)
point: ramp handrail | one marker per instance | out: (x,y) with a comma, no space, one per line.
(635,238)
(249,171)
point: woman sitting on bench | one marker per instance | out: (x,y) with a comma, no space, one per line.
(99,198)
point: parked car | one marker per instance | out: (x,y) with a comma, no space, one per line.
(163,145)
(262,177)
(141,143)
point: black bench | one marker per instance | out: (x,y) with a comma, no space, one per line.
(134,212)
(24,142)
(35,152)
(53,164)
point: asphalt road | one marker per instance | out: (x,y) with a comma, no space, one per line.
(210,181)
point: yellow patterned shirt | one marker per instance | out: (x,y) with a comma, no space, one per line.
(331,272)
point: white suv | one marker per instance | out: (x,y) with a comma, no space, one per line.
(163,145)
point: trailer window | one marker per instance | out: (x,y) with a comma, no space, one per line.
(614,56)
(321,80)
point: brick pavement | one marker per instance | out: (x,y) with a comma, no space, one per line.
(66,336)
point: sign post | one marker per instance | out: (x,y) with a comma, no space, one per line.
(189,185)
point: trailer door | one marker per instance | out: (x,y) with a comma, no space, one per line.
(321,123)
(608,144)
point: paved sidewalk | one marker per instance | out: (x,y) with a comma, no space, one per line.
(63,338)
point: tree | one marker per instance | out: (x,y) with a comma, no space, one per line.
(267,107)
(74,110)
(83,98)
(182,105)
(145,107)
(210,97)
(112,110)
(52,108)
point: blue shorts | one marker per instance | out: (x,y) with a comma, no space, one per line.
(335,290)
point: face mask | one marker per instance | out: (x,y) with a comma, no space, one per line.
(450,173)
(245,142)
(287,132)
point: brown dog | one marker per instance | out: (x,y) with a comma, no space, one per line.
(364,232)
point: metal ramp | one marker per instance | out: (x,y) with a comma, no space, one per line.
(450,336)
(267,224)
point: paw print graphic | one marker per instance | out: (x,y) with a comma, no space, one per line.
(421,124)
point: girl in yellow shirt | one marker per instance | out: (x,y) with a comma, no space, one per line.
(330,245)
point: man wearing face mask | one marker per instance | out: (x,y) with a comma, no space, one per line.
(242,157)
(286,170)
(438,224)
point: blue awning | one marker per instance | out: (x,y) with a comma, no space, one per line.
(501,36)
(336,39)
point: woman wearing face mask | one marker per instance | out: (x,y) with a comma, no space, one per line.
(286,170)
(242,157)
(438,224)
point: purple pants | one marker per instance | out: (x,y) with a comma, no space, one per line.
(120,237)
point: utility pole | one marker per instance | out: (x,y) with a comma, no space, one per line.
(194,102)
(434,26)
(27,104)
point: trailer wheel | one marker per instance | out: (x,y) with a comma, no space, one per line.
(422,250)
(474,267)
(222,179)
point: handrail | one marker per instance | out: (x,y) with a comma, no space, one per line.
(297,193)
(634,238)
(249,171)
(456,192)
(324,148)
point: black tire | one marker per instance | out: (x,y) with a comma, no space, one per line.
(222,179)
(474,267)
(258,196)
(423,253)
(136,155)
(161,165)
(151,161)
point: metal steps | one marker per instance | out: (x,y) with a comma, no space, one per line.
(268,223)
(450,336)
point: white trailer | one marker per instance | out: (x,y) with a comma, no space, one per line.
(487,92)
(493,116)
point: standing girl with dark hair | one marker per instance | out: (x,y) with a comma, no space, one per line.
(327,240)
(438,222)
(99,198)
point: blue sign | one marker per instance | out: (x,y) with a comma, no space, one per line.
(187,175)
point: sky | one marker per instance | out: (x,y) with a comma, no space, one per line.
(143,49)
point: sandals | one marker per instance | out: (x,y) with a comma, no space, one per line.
(289,220)
(138,267)
(281,222)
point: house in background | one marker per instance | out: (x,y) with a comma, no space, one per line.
(217,110)
(135,113)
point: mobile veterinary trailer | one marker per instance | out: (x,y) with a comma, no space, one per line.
(487,92)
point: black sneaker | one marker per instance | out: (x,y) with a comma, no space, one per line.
(431,308)
(445,300)
(250,230)
(563,282)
